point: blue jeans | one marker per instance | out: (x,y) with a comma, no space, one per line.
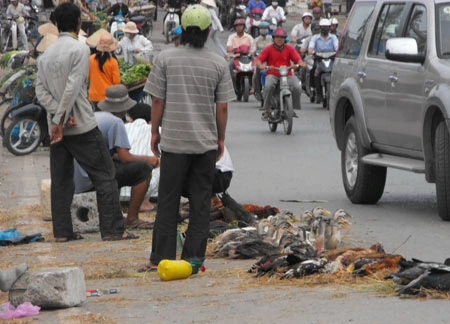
(91,152)
(195,173)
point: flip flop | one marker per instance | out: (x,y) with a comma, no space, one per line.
(119,237)
(140,224)
(148,268)
(74,237)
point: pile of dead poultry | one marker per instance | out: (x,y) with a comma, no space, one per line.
(288,247)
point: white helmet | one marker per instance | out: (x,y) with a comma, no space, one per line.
(307,14)
(324,22)
(334,21)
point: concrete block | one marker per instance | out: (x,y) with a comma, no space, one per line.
(50,288)
(84,209)
(84,212)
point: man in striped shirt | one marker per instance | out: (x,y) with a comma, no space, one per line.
(191,87)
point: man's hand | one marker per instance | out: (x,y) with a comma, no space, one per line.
(56,134)
(154,161)
(71,122)
(156,137)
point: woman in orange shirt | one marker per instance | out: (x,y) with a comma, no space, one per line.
(103,69)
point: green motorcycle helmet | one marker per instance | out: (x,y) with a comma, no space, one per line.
(196,16)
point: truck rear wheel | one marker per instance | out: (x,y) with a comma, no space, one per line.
(442,165)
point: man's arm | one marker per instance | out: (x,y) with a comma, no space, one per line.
(230,44)
(77,77)
(335,43)
(157,112)
(125,156)
(221,121)
(312,45)
(44,96)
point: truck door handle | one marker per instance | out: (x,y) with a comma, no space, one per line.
(393,78)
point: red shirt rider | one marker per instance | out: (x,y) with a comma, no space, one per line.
(278,57)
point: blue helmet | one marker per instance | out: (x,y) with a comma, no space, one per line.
(264,24)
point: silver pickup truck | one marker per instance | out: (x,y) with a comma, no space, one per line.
(390,96)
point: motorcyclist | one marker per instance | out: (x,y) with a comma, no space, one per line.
(317,14)
(258,45)
(276,55)
(333,28)
(274,11)
(303,29)
(253,4)
(323,42)
(17,12)
(237,39)
(118,8)
(176,4)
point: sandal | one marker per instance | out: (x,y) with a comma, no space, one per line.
(148,268)
(119,237)
(74,237)
(140,224)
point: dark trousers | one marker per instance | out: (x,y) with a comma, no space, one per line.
(195,172)
(91,152)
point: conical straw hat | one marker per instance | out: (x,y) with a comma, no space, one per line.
(92,40)
(46,41)
(48,28)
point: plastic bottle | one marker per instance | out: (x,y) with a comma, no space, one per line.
(174,269)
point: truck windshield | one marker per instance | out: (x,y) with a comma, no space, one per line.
(443,26)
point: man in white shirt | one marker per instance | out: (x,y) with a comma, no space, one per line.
(274,11)
(17,12)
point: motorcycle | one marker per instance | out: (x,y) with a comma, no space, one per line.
(144,24)
(253,20)
(324,66)
(17,90)
(281,107)
(27,130)
(9,31)
(274,23)
(143,16)
(309,85)
(170,23)
(242,72)
(238,10)
(117,26)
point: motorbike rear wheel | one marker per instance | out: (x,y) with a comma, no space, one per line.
(23,136)
(288,115)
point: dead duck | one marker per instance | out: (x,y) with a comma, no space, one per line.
(269,264)
(419,274)
(305,268)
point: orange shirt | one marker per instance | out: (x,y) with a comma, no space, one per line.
(99,80)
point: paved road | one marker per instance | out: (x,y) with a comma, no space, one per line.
(270,168)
